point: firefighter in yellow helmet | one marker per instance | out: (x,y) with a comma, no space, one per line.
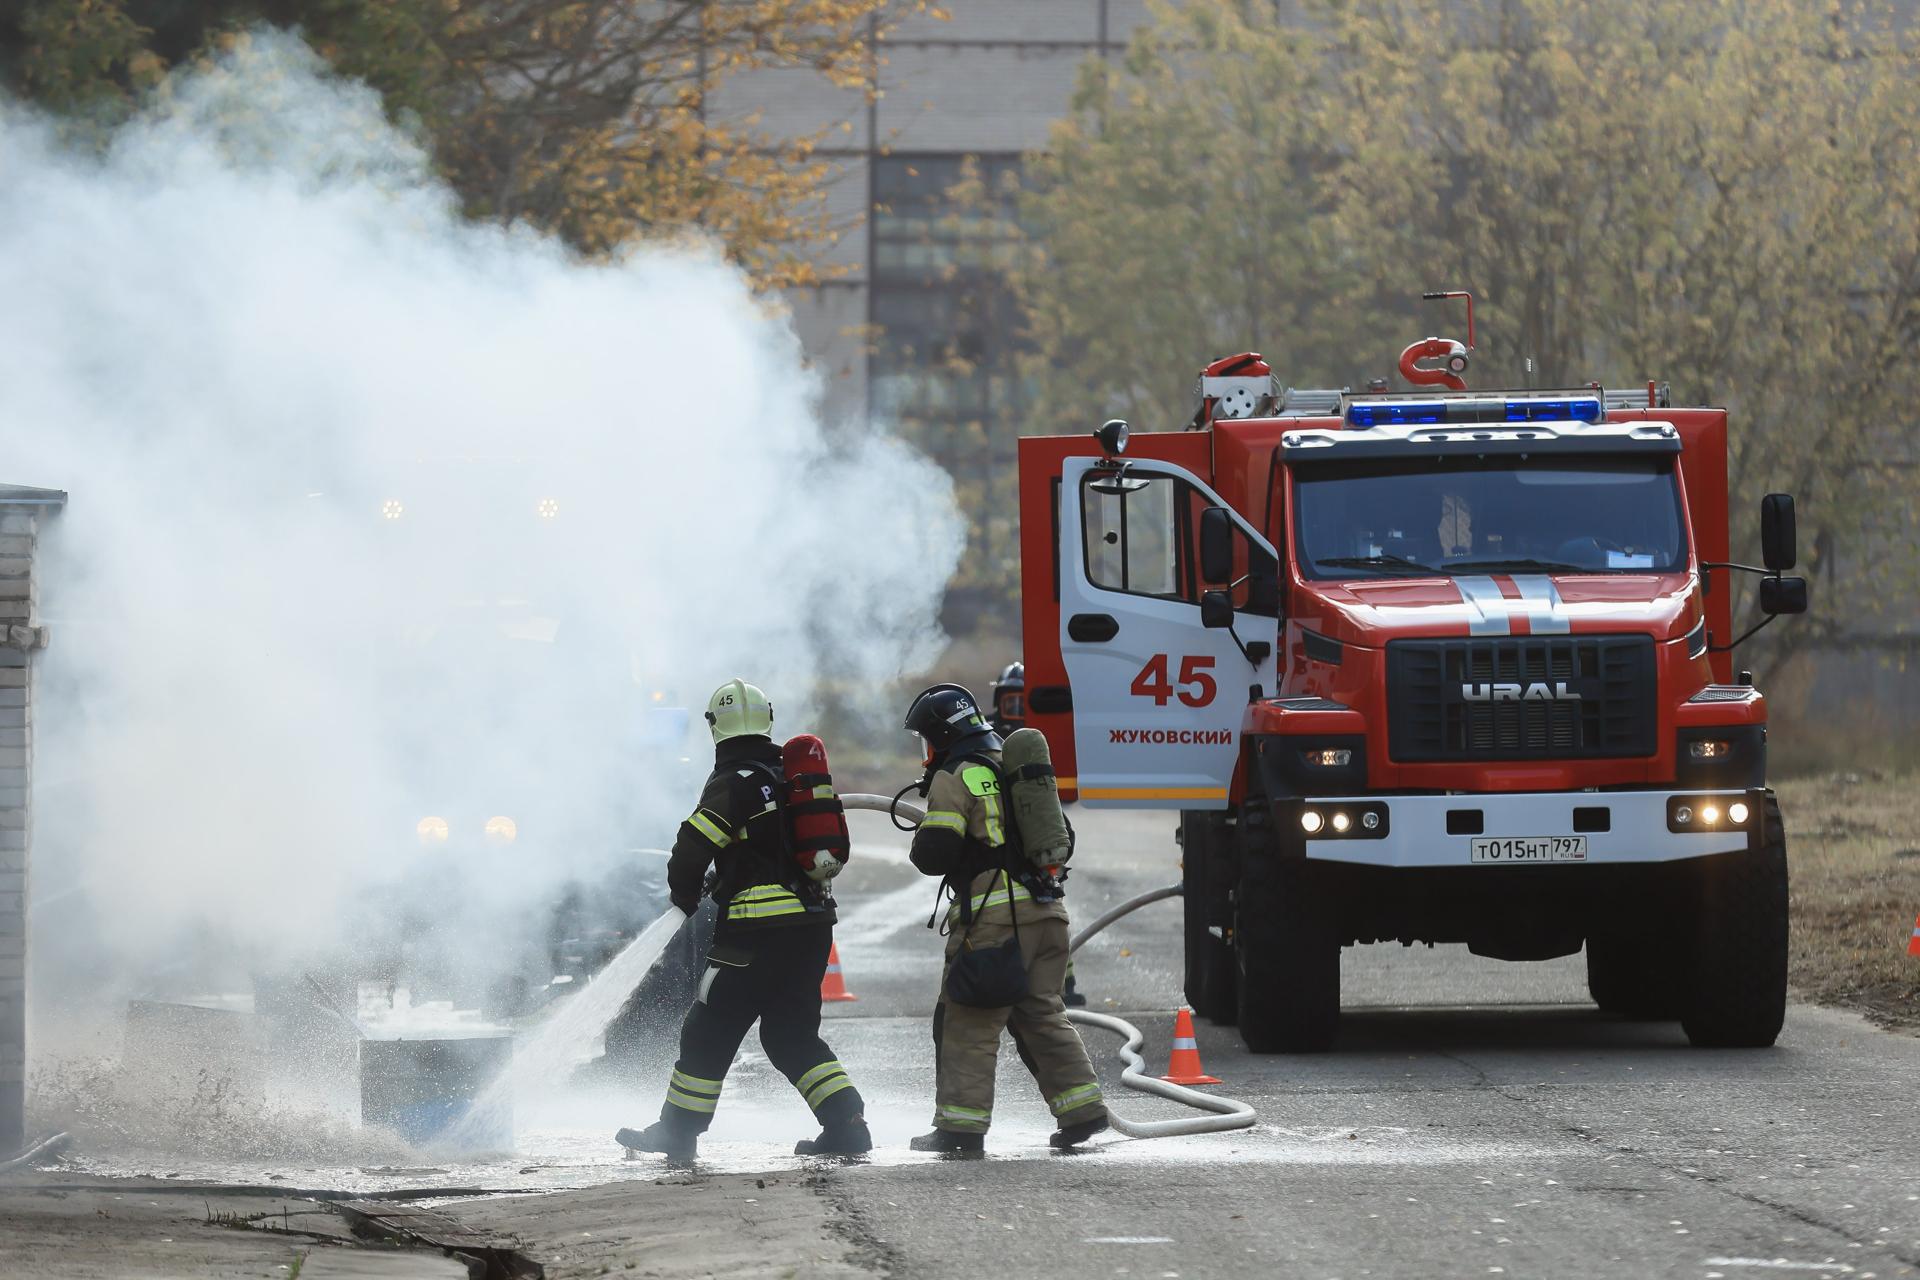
(769,949)
(968,840)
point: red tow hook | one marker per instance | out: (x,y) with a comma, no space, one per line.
(1453,354)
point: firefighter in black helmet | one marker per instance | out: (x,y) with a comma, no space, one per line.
(769,947)
(968,840)
(1009,694)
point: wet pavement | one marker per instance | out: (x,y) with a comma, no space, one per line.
(1477,1118)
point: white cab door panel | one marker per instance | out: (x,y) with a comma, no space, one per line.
(1158,699)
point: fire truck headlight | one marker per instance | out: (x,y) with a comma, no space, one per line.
(547,508)
(1330,757)
(501,830)
(1737,813)
(1370,820)
(1709,749)
(1683,815)
(1311,821)
(392,509)
(432,831)
(1341,822)
(1710,814)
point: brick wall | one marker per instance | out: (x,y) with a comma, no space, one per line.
(21,636)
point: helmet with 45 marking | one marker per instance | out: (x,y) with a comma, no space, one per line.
(738,709)
(948,719)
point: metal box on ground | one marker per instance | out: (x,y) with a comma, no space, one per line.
(422,1089)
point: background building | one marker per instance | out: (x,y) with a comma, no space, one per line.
(918,329)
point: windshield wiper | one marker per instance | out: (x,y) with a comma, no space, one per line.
(1508,566)
(1379,562)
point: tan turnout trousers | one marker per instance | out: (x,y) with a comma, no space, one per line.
(967,1041)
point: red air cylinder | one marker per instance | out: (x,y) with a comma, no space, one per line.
(814,812)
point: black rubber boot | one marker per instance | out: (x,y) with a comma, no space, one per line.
(670,1141)
(846,1138)
(1072,995)
(947,1142)
(1073,1135)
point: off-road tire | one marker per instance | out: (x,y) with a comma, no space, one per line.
(1288,956)
(1737,995)
(1210,974)
(1631,971)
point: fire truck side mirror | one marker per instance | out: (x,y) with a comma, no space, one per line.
(1216,546)
(1216,609)
(1779,542)
(1783,595)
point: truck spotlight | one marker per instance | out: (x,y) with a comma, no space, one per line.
(1341,822)
(1330,757)
(1112,436)
(1737,813)
(1683,815)
(501,830)
(1311,821)
(1370,820)
(393,509)
(432,831)
(1710,813)
(547,508)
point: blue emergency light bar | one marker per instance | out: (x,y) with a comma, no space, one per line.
(1475,409)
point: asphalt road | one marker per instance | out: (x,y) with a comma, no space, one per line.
(1477,1118)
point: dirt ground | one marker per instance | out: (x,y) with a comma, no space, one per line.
(1853,850)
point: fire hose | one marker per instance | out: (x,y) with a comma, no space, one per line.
(1231,1113)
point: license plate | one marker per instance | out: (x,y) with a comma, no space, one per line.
(1508,849)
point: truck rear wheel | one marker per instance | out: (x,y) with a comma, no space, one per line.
(1209,959)
(1630,972)
(1738,994)
(1288,956)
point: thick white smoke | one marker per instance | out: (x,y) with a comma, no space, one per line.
(377,514)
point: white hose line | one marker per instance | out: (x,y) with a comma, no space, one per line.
(1234,1114)
(47,1146)
(1231,1112)
(1125,908)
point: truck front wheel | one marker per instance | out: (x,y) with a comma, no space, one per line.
(1738,994)
(1288,957)
(1209,958)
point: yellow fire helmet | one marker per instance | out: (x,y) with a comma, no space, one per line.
(737,709)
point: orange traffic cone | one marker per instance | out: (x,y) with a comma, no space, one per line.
(1183,1067)
(833,986)
(1913,943)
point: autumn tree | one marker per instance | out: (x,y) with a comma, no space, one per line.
(1716,193)
(599,120)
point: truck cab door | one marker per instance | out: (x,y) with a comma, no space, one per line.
(1158,699)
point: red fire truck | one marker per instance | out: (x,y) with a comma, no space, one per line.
(1429,666)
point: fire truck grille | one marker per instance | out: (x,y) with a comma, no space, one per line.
(1521,698)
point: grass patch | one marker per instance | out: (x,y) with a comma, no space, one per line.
(1853,849)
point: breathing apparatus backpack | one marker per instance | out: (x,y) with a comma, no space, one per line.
(1033,796)
(816,820)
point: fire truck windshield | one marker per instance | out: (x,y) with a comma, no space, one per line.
(1417,518)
